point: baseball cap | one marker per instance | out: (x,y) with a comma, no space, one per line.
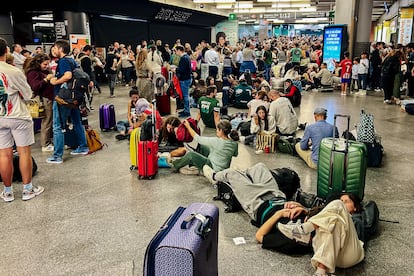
(320,110)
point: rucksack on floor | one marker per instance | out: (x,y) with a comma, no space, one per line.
(287,180)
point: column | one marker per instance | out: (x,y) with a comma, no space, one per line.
(363,26)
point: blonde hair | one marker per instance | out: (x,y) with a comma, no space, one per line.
(141,58)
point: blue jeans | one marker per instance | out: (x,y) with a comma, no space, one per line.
(185,86)
(362,78)
(122,126)
(268,67)
(60,116)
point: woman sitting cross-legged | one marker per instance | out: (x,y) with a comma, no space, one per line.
(215,152)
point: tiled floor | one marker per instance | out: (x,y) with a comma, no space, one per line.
(96,218)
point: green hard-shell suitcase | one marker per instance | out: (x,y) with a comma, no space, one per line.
(342,166)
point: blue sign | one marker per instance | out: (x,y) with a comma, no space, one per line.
(332,43)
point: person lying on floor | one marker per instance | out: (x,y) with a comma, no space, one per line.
(260,197)
(215,152)
(331,232)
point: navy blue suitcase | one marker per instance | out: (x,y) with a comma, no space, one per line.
(107,119)
(186,244)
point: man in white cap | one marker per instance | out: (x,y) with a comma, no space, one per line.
(308,147)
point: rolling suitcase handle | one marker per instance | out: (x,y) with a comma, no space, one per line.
(204,224)
(345,151)
(154,120)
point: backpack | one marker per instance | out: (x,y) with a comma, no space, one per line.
(159,83)
(409,108)
(287,144)
(287,180)
(17,175)
(74,92)
(182,133)
(244,128)
(93,140)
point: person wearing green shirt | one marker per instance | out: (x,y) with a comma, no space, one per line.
(295,55)
(209,108)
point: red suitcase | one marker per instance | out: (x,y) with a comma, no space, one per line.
(148,152)
(163,103)
(147,159)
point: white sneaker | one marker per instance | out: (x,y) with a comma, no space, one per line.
(294,232)
(49,147)
(8,197)
(209,173)
(36,190)
(189,170)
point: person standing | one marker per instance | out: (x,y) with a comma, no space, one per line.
(16,128)
(19,58)
(212,58)
(61,49)
(111,65)
(308,147)
(183,72)
(346,72)
(38,76)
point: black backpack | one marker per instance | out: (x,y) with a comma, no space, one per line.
(244,128)
(74,93)
(287,180)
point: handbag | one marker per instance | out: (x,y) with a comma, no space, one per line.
(266,141)
(93,140)
(34,108)
(365,130)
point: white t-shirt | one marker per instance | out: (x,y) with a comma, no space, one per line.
(13,89)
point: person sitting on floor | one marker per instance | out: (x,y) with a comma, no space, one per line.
(209,108)
(262,121)
(167,140)
(125,127)
(285,116)
(260,98)
(308,147)
(215,152)
(292,93)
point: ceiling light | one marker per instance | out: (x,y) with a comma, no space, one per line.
(290,5)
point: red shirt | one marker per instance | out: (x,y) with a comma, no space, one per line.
(346,68)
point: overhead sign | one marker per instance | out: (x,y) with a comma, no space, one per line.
(172,15)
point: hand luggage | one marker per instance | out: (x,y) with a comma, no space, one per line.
(163,103)
(133,148)
(148,152)
(342,165)
(107,120)
(186,244)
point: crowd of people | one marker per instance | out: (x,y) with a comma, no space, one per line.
(264,77)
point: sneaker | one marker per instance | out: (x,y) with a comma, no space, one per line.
(54,160)
(209,174)
(79,151)
(8,197)
(49,147)
(121,137)
(112,96)
(36,190)
(294,232)
(189,170)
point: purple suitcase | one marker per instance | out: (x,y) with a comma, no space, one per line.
(186,244)
(107,119)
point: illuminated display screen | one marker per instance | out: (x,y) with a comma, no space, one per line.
(332,43)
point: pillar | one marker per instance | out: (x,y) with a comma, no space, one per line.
(363,26)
